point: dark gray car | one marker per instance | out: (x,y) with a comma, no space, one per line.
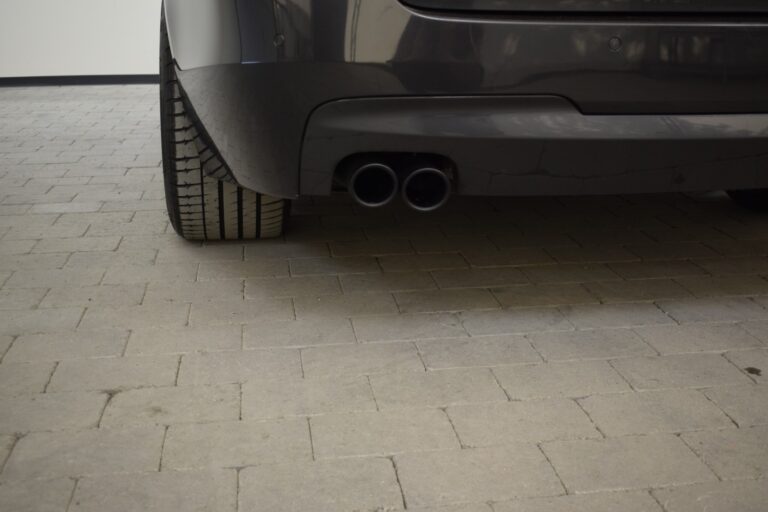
(268,100)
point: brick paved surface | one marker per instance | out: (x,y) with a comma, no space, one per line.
(586,354)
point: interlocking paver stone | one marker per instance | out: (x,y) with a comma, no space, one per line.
(512,422)
(168,406)
(571,379)
(236,444)
(679,339)
(518,471)
(324,486)
(648,412)
(733,454)
(436,388)
(597,502)
(589,344)
(87,452)
(676,371)
(381,433)
(625,463)
(479,351)
(36,495)
(114,373)
(747,405)
(201,491)
(746,496)
(51,411)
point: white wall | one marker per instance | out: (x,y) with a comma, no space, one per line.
(78,37)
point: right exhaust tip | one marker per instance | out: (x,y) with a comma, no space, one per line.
(426,189)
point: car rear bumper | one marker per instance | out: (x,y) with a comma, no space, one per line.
(509,145)
(257,103)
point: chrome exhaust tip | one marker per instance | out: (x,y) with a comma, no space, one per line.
(373,185)
(426,189)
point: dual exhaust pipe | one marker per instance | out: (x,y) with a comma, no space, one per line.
(424,187)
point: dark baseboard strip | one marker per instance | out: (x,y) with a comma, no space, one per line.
(79,80)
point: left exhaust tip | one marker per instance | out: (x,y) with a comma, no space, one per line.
(373,184)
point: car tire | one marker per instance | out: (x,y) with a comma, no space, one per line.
(200,206)
(756,199)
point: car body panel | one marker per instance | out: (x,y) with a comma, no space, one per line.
(295,56)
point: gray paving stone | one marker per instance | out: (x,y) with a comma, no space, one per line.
(479,278)
(280,397)
(39,320)
(199,491)
(53,278)
(240,312)
(717,309)
(721,286)
(51,411)
(543,295)
(67,345)
(747,405)
(753,362)
(184,272)
(236,444)
(381,433)
(46,264)
(21,298)
(519,471)
(36,495)
(237,366)
(408,327)
(733,454)
(193,292)
(299,333)
(112,374)
(472,507)
(480,323)
(92,243)
(597,502)
(24,378)
(748,496)
(615,315)
(625,463)
(641,290)
(348,305)
(437,301)
(84,453)
(603,254)
(513,422)
(422,262)
(650,412)
(134,317)
(436,388)
(480,351)
(283,287)
(214,270)
(326,486)
(387,282)
(680,339)
(333,266)
(679,371)
(657,269)
(569,273)
(86,296)
(168,406)
(571,379)
(361,359)
(184,340)
(590,344)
